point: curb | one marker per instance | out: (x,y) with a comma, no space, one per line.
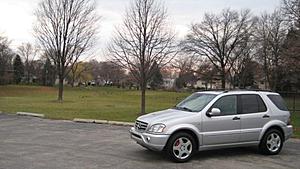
(120,123)
(30,114)
(84,120)
(103,122)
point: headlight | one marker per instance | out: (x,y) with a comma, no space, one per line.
(157,128)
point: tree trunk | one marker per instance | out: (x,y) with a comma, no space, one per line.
(28,72)
(266,71)
(275,80)
(73,81)
(60,88)
(223,78)
(276,72)
(143,98)
(28,77)
(232,80)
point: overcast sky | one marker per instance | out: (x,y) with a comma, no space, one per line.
(16,16)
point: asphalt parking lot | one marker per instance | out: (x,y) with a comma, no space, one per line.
(33,143)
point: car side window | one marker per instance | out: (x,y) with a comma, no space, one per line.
(227,105)
(252,103)
(261,104)
(278,101)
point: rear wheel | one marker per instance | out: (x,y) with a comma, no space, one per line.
(181,147)
(272,142)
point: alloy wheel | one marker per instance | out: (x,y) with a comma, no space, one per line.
(182,148)
(273,142)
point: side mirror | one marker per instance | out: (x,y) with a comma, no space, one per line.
(214,112)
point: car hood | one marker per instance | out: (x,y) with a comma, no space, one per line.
(165,116)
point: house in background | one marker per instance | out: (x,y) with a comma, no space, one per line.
(203,84)
(213,84)
(169,75)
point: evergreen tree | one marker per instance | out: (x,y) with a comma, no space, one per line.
(185,79)
(18,69)
(157,79)
(48,73)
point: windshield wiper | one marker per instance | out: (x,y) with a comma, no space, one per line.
(184,108)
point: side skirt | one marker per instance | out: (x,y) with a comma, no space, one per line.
(230,145)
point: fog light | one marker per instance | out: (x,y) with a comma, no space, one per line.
(148,138)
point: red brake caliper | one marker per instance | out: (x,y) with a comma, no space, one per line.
(177,143)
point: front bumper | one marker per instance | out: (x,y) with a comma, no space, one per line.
(152,141)
(288,131)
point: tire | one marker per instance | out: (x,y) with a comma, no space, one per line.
(181,147)
(272,142)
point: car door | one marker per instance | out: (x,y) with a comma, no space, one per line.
(254,115)
(224,128)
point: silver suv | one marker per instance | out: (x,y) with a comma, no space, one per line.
(209,120)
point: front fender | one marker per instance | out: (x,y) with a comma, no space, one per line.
(269,125)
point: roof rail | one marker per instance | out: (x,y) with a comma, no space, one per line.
(231,90)
(255,90)
(212,89)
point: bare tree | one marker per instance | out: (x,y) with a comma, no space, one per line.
(143,40)
(6,57)
(271,33)
(291,9)
(111,73)
(185,63)
(107,72)
(242,66)
(66,30)
(206,72)
(263,48)
(28,53)
(277,36)
(218,36)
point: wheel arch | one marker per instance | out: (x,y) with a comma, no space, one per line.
(189,131)
(273,125)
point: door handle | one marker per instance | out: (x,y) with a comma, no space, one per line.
(266,116)
(236,118)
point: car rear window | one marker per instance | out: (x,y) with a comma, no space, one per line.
(278,101)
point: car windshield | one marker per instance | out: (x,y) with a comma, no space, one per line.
(195,103)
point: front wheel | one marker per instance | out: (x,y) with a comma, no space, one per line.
(272,142)
(181,147)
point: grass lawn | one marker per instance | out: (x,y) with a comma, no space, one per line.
(295,115)
(94,103)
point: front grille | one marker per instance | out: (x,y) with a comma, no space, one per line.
(140,126)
